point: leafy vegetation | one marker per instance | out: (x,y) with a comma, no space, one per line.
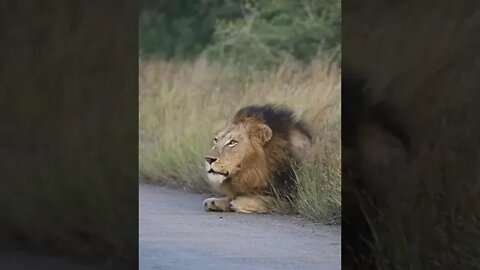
(250,33)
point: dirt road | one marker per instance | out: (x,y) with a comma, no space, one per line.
(175,233)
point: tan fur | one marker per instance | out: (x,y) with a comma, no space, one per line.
(252,204)
(217,204)
(249,163)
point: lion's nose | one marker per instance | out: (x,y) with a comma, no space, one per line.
(210,160)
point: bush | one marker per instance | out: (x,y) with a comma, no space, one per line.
(250,33)
(271,32)
(179,29)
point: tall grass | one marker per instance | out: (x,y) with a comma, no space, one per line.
(182,105)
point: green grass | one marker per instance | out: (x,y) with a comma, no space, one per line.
(182,105)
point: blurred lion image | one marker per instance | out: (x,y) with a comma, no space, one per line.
(410,133)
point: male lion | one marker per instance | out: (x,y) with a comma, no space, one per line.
(253,157)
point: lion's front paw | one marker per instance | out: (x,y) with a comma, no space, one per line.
(216,204)
(209,204)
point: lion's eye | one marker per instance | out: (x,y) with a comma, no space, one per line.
(232,143)
(215,140)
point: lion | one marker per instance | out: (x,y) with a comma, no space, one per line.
(253,159)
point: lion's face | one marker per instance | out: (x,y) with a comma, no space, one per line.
(231,146)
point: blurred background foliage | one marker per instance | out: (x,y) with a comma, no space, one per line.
(261,33)
(68,131)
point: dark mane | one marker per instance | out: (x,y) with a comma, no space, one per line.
(282,121)
(279,118)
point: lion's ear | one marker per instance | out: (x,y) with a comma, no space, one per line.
(262,132)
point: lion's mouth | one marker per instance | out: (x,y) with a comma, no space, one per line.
(215,172)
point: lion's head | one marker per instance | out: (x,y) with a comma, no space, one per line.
(236,146)
(255,149)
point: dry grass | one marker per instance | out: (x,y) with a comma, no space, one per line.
(182,104)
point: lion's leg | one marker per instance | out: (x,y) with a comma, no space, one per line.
(252,204)
(217,204)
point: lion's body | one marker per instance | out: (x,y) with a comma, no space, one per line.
(269,142)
